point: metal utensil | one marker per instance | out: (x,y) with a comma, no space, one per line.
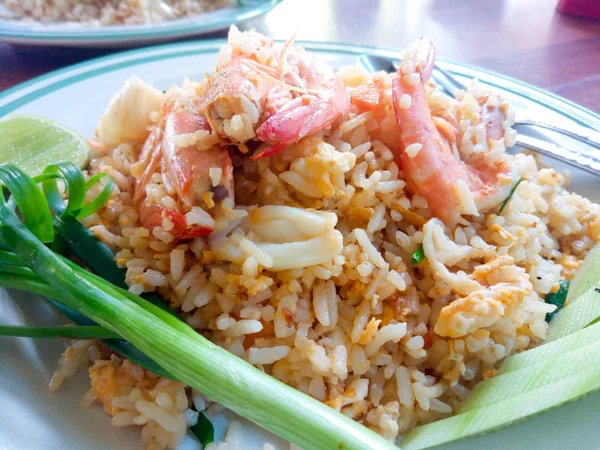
(584,159)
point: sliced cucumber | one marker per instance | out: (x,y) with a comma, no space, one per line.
(511,384)
(490,418)
(547,351)
(587,277)
(583,300)
(576,315)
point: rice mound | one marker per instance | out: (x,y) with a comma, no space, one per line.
(389,343)
(107,12)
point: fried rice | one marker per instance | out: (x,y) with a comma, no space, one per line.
(107,12)
(308,275)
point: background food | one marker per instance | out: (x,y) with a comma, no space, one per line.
(110,12)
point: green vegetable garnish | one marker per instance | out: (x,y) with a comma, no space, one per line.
(557,298)
(511,193)
(204,430)
(417,256)
(501,414)
(583,301)
(169,342)
(32,142)
(76,332)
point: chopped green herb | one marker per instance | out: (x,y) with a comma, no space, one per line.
(204,430)
(512,191)
(557,298)
(418,255)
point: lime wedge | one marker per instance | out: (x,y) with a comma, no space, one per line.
(33,142)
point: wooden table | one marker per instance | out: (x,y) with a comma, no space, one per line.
(525,39)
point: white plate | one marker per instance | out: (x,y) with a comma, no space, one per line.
(74,35)
(31,418)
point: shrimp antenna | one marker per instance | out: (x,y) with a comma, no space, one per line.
(209,79)
(284,49)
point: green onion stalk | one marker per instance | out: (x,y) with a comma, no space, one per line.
(169,342)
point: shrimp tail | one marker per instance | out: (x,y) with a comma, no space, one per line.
(153,215)
(268,150)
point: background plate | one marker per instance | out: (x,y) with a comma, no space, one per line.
(31,418)
(73,35)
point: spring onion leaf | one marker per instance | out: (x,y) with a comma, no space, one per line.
(511,193)
(119,346)
(31,202)
(97,256)
(178,349)
(74,185)
(204,429)
(22,278)
(13,275)
(418,255)
(557,298)
(73,332)
(98,202)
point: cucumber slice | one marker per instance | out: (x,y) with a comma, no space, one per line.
(587,277)
(544,352)
(490,418)
(33,142)
(511,384)
(583,300)
(576,315)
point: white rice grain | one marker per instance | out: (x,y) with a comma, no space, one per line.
(374,255)
(267,355)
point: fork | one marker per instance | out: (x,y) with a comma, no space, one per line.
(583,159)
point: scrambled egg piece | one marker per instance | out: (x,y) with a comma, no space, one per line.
(320,173)
(110,379)
(481,308)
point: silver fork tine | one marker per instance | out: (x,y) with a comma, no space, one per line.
(581,134)
(582,160)
(447,82)
(584,135)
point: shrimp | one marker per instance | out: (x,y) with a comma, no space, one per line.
(452,181)
(274,102)
(186,169)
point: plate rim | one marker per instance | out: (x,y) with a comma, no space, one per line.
(114,61)
(26,35)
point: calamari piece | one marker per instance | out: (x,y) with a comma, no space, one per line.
(292,238)
(283,224)
(294,255)
(441,251)
(482,308)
